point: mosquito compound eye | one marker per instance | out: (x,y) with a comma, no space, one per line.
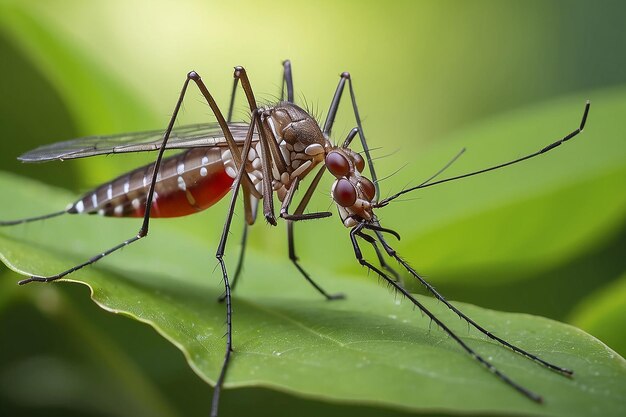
(337,164)
(344,193)
(368,188)
(359,163)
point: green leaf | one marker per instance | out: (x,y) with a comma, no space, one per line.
(369,349)
(602,314)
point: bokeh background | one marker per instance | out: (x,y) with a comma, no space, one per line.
(429,78)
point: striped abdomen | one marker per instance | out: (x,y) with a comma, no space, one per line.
(187,183)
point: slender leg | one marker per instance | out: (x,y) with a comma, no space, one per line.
(300,216)
(31,219)
(291,218)
(143,231)
(284,210)
(294,259)
(564,371)
(242,254)
(376,227)
(392,253)
(299,213)
(350,136)
(220,257)
(270,154)
(287,81)
(247,205)
(357,252)
(381,258)
(251,210)
(268,201)
(232,145)
(231,105)
(330,119)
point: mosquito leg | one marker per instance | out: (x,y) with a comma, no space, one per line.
(231,105)
(31,219)
(378,229)
(300,216)
(379,255)
(350,136)
(270,154)
(334,105)
(330,120)
(284,210)
(383,241)
(294,259)
(287,82)
(232,145)
(219,254)
(359,256)
(242,253)
(432,290)
(249,190)
(247,208)
(143,231)
(392,253)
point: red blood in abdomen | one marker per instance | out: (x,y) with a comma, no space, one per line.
(205,192)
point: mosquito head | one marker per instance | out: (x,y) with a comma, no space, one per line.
(351,191)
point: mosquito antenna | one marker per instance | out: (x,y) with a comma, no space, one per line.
(553,145)
(433,176)
(32,219)
(384,156)
(446,166)
(392,174)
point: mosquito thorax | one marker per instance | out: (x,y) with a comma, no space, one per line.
(300,141)
(295,125)
(352,192)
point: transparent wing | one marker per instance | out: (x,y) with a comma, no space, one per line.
(183,137)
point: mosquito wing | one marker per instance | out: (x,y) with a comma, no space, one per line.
(183,137)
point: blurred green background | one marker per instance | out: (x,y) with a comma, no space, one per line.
(430,77)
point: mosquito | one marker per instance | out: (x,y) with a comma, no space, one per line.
(267,157)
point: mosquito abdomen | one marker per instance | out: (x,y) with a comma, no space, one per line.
(187,183)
